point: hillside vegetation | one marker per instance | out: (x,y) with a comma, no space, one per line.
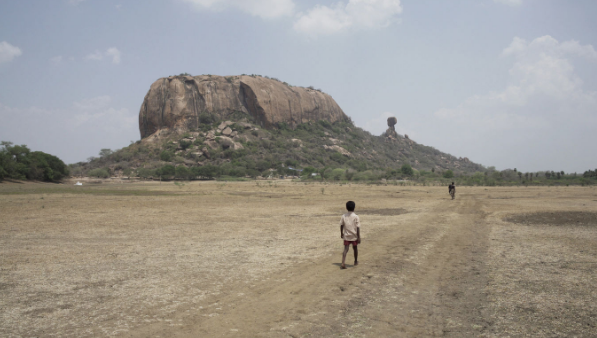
(240,148)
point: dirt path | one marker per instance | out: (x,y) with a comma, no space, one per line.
(426,279)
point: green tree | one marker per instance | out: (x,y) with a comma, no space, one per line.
(337,174)
(166,171)
(166,156)
(18,162)
(349,174)
(407,170)
(448,174)
(99,173)
(206,118)
(105,152)
(182,172)
(337,157)
(145,173)
(46,167)
(206,171)
(308,171)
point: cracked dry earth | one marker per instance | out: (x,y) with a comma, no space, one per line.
(210,259)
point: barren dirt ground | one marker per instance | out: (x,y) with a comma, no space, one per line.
(213,259)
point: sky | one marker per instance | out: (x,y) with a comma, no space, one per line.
(506,83)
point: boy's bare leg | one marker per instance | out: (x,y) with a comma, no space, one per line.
(356,254)
(346,248)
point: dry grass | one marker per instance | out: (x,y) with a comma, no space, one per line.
(108,259)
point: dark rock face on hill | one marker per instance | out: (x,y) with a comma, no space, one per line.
(182,103)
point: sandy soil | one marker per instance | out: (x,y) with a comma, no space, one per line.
(212,259)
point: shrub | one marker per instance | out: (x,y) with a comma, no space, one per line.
(145,173)
(206,118)
(126,156)
(185,144)
(166,156)
(99,173)
(182,172)
(448,174)
(166,171)
(238,172)
(291,163)
(105,152)
(337,174)
(407,170)
(337,157)
(349,174)
(127,172)
(363,176)
(206,171)
(308,171)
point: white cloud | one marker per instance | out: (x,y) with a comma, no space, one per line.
(509,2)
(95,103)
(266,9)
(114,54)
(545,114)
(96,112)
(111,52)
(356,14)
(97,56)
(543,85)
(56,59)
(8,52)
(547,45)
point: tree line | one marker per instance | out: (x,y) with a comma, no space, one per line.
(20,163)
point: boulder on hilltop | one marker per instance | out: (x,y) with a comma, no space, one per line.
(182,103)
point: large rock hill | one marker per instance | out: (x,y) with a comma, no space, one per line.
(182,103)
(250,126)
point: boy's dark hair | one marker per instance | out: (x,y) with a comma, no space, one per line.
(350,205)
(452,183)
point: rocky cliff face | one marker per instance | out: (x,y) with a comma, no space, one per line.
(181,103)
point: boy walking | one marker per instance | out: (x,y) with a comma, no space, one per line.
(350,231)
(452,190)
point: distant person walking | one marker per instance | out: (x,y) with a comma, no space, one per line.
(350,231)
(452,190)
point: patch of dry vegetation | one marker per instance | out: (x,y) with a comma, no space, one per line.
(112,259)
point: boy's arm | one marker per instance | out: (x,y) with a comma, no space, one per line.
(341,230)
(358,220)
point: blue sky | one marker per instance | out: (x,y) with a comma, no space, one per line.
(506,83)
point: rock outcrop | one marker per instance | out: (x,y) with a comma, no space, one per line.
(182,103)
(392,122)
(391,134)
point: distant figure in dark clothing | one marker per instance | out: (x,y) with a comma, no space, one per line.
(452,190)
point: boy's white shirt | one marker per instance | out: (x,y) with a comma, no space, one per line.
(351,222)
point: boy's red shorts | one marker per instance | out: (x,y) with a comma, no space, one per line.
(354,243)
